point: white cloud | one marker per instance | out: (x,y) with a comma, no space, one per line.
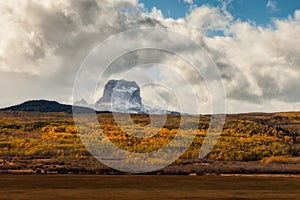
(188,1)
(297,15)
(271,5)
(207,18)
(156,14)
(44,34)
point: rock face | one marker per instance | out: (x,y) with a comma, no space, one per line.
(120,96)
(121,91)
(124,96)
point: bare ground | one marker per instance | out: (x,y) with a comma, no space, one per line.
(147,187)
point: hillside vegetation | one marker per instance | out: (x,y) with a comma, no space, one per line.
(244,138)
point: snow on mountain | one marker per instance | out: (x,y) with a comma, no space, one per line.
(124,96)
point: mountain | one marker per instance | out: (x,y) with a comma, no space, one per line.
(120,96)
(81,103)
(124,96)
(45,106)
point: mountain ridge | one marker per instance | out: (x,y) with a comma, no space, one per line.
(44,106)
(25,108)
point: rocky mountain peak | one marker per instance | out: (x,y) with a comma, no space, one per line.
(124,96)
(82,103)
(119,95)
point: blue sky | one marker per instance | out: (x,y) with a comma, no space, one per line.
(260,12)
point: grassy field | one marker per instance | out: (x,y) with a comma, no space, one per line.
(147,187)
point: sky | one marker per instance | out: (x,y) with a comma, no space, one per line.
(260,12)
(255,46)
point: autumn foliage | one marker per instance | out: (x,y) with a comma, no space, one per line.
(55,135)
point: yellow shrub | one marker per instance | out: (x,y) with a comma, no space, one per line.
(281,160)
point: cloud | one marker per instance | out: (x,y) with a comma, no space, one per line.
(272,5)
(188,1)
(260,63)
(207,19)
(44,34)
(43,43)
(297,15)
